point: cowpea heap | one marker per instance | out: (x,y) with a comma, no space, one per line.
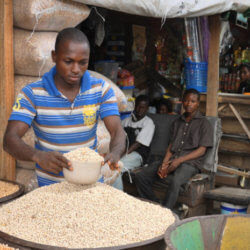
(81,216)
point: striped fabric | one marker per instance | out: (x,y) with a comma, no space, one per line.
(60,125)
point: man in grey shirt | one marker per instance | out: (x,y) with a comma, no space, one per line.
(191,135)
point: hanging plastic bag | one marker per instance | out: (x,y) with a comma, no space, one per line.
(109,175)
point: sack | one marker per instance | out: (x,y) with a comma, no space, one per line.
(109,175)
(103,138)
(32,52)
(48,15)
(28,178)
(22,81)
(121,98)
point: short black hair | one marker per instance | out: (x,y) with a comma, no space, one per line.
(244,65)
(191,91)
(167,103)
(71,34)
(142,98)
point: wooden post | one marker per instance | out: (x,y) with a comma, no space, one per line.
(7,163)
(213,66)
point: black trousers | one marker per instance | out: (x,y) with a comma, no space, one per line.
(145,179)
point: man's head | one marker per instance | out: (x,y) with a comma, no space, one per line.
(245,72)
(141,106)
(71,56)
(164,106)
(191,101)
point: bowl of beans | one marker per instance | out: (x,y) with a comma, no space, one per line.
(86,164)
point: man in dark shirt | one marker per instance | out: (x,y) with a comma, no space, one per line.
(191,135)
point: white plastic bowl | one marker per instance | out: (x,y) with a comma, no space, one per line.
(84,173)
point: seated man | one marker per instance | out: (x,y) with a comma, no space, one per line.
(191,134)
(140,130)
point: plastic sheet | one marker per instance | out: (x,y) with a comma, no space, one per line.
(170,9)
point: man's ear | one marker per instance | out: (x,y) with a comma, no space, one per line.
(53,56)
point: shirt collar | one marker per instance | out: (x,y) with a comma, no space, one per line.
(197,115)
(48,79)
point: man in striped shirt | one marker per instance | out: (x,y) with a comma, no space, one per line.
(63,108)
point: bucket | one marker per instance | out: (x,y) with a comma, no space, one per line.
(196,75)
(224,232)
(227,208)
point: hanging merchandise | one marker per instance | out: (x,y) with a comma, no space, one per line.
(139,44)
(246,55)
(226,37)
(197,39)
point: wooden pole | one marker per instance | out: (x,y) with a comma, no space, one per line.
(7,163)
(213,66)
(242,123)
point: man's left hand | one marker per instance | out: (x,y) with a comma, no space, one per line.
(174,164)
(112,160)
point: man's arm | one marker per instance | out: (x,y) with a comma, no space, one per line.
(133,147)
(15,146)
(117,143)
(163,169)
(191,156)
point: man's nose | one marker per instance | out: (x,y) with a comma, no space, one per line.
(75,68)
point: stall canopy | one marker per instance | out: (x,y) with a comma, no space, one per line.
(171,8)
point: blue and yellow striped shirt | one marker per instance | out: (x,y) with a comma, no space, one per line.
(60,125)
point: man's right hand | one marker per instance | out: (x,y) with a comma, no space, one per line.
(163,169)
(52,162)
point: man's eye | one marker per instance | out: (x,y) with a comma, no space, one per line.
(67,62)
(83,62)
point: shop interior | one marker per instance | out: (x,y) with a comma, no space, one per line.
(144,55)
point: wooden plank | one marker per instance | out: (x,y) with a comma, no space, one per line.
(241,162)
(229,98)
(7,163)
(227,144)
(213,66)
(222,107)
(232,126)
(233,171)
(226,180)
(236,113)
(243,110)
(232,195)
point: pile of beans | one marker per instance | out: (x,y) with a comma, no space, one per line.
(7,188)
(5,247)
(83,154)
(77,216)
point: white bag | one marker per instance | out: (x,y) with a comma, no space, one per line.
(32,52)
(48,15)
(121,98)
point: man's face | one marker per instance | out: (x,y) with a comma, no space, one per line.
(72,59)
(245,74)
(141,109)
(163,109)
(191,103)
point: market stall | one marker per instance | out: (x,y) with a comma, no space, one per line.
(119,210)
(153,10)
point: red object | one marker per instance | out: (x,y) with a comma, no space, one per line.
(123,73)
(128,81)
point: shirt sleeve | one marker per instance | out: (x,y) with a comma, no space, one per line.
(24,107)
(146,134)
(108,105)
(206,136)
